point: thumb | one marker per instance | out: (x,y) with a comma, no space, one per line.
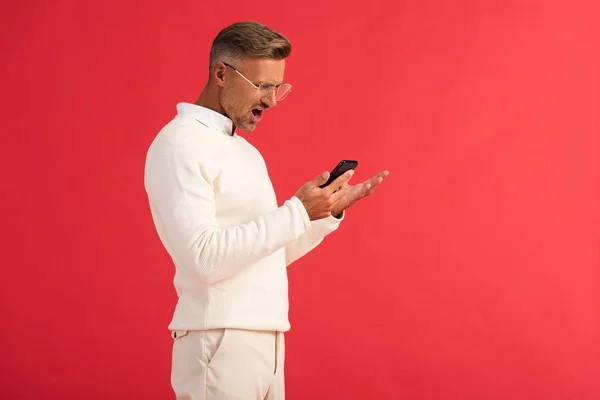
(322,178)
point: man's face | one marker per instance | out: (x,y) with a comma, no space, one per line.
(243,103)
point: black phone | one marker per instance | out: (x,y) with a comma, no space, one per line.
(343,166)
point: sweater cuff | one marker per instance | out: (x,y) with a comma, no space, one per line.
(325,226)
(307,223)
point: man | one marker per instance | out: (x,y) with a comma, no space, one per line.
(216,213)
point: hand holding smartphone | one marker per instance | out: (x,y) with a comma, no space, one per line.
(319,203)
(343,166)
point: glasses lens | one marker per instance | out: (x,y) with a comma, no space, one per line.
(282,92)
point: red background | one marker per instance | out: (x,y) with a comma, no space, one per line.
(473,272)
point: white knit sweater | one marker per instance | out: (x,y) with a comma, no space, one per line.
(217,216)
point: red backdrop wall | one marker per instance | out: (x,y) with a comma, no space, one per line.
(472,274)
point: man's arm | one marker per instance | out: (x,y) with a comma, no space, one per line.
(325,226)
(311,239)
(184,201)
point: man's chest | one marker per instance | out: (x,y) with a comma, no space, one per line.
(243,191)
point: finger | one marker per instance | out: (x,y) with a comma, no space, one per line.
(320,179)
(340,194)
(371,188)
(376,181)
(340,180)
(380,176)
(366,190)
(345,185)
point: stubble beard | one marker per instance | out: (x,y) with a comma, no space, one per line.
(238,116)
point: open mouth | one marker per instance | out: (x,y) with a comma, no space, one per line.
(257,113)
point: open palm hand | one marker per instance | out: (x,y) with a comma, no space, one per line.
(357,192)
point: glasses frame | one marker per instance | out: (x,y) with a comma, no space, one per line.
(267,88)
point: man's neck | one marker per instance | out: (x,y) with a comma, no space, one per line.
(209,98)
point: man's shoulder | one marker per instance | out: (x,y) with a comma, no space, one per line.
(184,130)
(184,133)
(186,141)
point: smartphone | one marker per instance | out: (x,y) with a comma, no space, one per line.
(343,166)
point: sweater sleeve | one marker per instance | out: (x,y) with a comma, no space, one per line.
(183,199)
(311,239)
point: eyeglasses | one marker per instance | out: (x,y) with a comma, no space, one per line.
(265,89)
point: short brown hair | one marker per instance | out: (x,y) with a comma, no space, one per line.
(248,39)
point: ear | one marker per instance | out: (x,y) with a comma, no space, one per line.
(219,74)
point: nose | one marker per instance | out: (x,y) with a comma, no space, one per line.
(271,99)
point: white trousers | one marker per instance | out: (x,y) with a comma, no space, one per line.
(228,364)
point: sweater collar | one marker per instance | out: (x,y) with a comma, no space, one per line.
(208,117)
